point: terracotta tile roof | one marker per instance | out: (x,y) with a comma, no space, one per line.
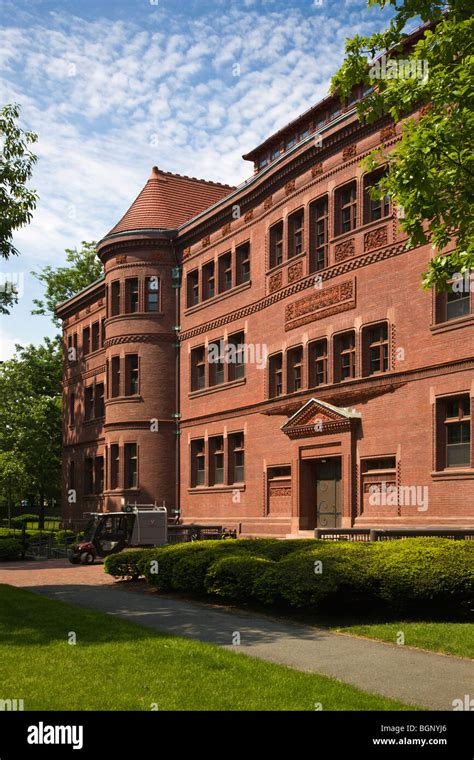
(168,200)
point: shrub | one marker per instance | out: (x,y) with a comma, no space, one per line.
(167,558)
(266,588)
(233,577)
(274,548)
(19,519)
(344,571)
(10,548)
(190,569)
(124,564)
(434,573)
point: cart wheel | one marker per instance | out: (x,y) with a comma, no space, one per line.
(87,558)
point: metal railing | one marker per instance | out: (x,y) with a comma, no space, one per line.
(390,534)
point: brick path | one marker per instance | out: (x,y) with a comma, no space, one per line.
(415,677)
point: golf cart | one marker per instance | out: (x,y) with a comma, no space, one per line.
(139,525)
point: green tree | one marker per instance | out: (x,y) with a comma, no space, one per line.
(63,282)
(31,423)
(17,202)
(431,169)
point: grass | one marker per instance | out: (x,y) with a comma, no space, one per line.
(438,636)
(117,665)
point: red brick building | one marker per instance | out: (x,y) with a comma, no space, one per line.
(263,356)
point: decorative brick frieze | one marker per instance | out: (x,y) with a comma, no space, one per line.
(206,241)
(275,282)
(349,152)
(344,250)
(295,271)
(290,186)
(226,230)
(317,170)
(186,253)
(329,300)
(376,238)
(248,216)
(268,203)
(387,133)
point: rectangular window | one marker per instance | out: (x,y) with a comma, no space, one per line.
(102,333)
(96,336)
(215,358)
(262,162)
(225,272)
(242,255)
(72,347)
(115,298)
(192,287)
(72,408)
(89,402)
(458,431)
(88,475)
(99,400)
(346,209)
(198,369)
(275,153)
(132,295)
(318,213)
(276,244)
(99,475)
(131,375)
(275,473)
(276,375)
(375,347)
(457,304)
(344,356)
(290,142)
(236,458)
(114,465)
(115,369)
(294,369)
(236,356)
(86,341)
(72,475)
(198,463)
(208,281)
(131,465)
(318,363)
(295,233)
(216,461)
(374,208)
(152,294)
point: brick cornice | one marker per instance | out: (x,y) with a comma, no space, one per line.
(365,387)
(141,338)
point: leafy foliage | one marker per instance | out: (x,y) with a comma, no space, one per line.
(31,422)
(17,202)
(431,169)
(63,282)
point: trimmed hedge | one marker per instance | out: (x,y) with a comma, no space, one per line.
(311,577)
(425,573)
(234,577)
(408,574)
(10,548)
(124,564)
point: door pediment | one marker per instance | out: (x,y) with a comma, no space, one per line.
(319,418)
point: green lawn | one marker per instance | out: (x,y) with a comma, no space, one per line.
(117,665)
(445,637)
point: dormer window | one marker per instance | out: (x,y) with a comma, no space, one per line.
(263,162)
(275,154)
(290,142)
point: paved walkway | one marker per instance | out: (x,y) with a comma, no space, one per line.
(415,677)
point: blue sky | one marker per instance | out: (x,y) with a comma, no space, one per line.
(113,87)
